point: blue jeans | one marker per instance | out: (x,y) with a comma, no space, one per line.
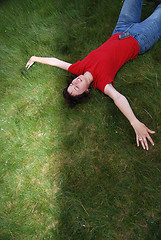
(146,32)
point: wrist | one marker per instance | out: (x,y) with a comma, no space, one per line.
(134,122)
(34,58)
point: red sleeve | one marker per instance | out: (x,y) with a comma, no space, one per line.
(77,68)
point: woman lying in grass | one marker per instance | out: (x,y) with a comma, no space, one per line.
(130,38)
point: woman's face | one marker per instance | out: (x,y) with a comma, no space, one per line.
(78,86)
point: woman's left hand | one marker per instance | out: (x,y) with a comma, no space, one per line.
(142,134)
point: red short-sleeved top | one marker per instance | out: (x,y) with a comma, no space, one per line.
(104,62)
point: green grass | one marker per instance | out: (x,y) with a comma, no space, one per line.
(74,174)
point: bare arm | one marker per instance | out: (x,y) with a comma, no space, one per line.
(50,61)
(121,102)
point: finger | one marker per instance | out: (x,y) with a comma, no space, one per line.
(27,63)
(137,140)
(150,139)
(151,131)
(145,144)
(142,143)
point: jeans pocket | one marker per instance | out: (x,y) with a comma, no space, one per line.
(120,28)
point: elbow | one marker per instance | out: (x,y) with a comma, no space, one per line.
(119,98)
(120,101)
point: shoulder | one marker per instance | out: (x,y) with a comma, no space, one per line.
(68,66)
(111,91)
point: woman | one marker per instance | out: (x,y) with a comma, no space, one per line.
(130,38)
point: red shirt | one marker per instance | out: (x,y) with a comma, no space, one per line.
(104,62)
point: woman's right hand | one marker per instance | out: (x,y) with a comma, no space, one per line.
(30,62)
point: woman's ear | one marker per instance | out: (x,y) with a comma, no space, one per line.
(88,90)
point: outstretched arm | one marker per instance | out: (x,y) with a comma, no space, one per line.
(142,132)
(50,61)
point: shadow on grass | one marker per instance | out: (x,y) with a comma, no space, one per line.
(109,188)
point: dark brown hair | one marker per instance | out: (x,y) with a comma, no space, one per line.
(72,101)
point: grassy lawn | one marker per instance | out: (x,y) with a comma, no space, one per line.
(74,174)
